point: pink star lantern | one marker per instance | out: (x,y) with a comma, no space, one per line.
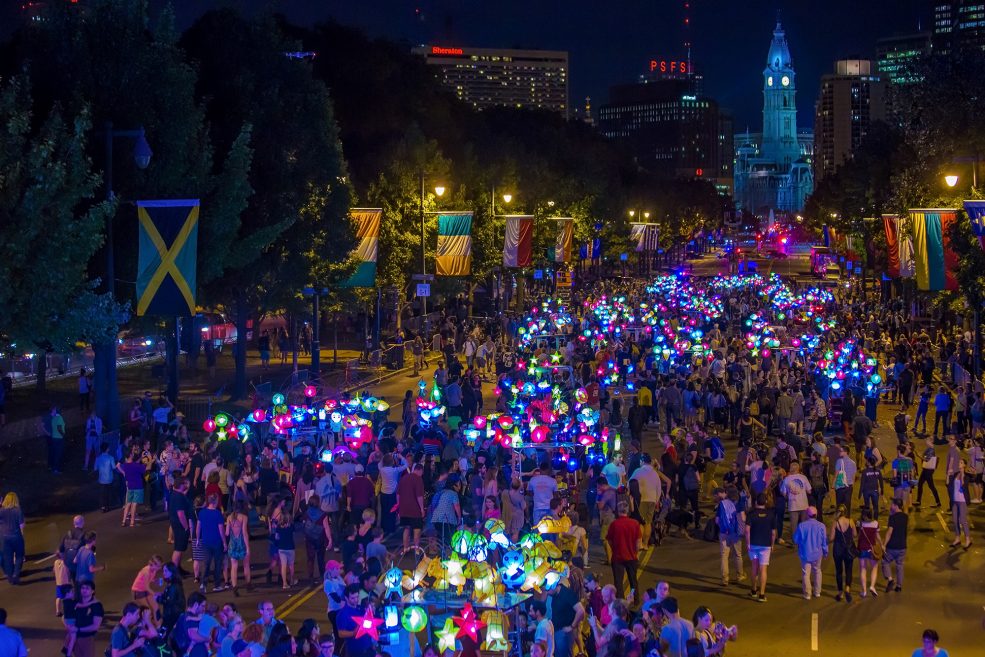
(368,624)
(468,623)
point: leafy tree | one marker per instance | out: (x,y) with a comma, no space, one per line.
(294,230)
(50,226)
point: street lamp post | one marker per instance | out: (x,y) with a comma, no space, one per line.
(315,326)
(107,394)
(951,180)
(507,199)
(647,255)
(439,190)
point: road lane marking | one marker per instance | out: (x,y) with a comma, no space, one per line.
(814,632)
(940,517)
(41,561)
(291,604)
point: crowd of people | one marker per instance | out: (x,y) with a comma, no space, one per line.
(748,448)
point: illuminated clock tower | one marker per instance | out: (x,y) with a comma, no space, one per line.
(779,104)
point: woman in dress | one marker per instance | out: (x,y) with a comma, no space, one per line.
(237,531)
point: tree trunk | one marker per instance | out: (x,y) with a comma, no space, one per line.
(41,381)
(239,354)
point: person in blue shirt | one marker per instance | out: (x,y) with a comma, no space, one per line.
(922,407)
(105,466)
(347,625)
(942,411)
(811,539)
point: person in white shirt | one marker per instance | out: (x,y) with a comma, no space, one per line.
(796,488)
(542,488)
(545,628)
(648,479)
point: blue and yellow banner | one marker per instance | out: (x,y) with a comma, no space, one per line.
(934,260)
(166,263)
(368,231)
(454,254)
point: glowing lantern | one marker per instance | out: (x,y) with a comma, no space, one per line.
(468,623)
(539,434)
(479,422)
(221,419)
(259,415)
(208,426)
(278,399)
(414,619)
(446,636)
(368,625)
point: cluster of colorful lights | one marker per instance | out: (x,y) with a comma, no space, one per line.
(846,365)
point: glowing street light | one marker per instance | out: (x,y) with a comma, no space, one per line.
(439,190)
(507,198)
(951,180)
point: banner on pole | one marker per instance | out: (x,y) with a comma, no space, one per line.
(166,261)
(565,239)
(454,254)
(976,213)
(368,222)
(934,260)
(890,223)
(518,241)
(645,236)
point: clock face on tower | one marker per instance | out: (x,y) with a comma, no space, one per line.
(769,80)
(785,81)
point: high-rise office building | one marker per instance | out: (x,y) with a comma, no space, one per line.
(897,55)
(489,77)
(958,24)
(670,131)
(851,99)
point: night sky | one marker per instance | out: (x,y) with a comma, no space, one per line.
(612,41)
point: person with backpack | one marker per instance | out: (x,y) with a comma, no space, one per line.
(71,542)
(714,456)
(797,489)
(185,633)
(317,535)
(817,474)
(731,529)
(900,425)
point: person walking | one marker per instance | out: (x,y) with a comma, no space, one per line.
(811,539)
(895,544)
(238,538)
(731,530)
(210,531)
(960,496)
(55,425)
(625,539)
(842,537)
(12,537)
(929,467)
(870,488)
(760,531)
(93,436)
(844,472)
(796,488)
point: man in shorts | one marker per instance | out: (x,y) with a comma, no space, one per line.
(179,516)
(760,536)
(410,504)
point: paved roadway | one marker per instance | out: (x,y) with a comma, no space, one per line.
(943,587)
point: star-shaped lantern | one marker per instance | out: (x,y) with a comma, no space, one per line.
(446,636)
(469,623)
(368,624)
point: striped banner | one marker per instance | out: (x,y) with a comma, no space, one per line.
(907,267)
(518,240)
(890,223)
(167,257)
(368,231)
(976,213)
(565,239)
(454,254)
(933,257)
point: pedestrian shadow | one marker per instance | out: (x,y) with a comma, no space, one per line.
(948,561)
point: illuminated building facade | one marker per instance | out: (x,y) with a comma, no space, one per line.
(896,55)
(958,24)
(773,167)
(489,77)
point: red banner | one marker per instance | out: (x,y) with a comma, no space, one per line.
(891,223)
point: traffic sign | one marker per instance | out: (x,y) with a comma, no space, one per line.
(423,289)
(538,274)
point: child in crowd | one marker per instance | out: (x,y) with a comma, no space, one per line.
(63,582)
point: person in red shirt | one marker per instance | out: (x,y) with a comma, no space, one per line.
(360,492)
(410,504)
(625,538)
